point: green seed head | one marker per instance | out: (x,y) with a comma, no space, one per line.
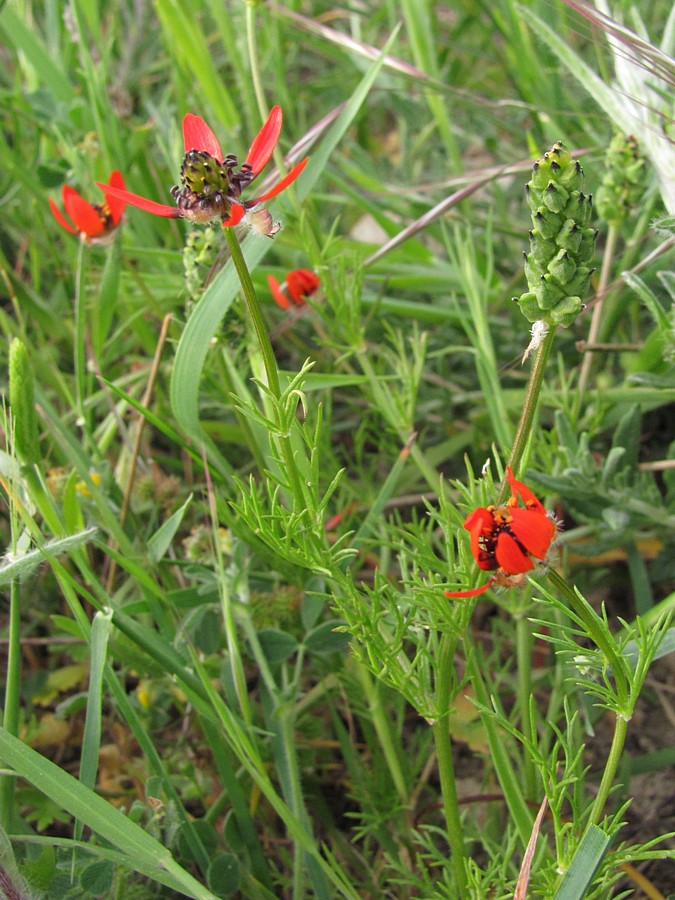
(562,242)
(623,181)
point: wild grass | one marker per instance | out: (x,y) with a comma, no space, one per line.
(231,668)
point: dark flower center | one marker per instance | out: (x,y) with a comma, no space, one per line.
(104,215)
(208,187)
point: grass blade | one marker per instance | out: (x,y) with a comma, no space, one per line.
(143,853)
(589,855)
(91,739)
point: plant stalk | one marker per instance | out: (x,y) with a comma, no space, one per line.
(524,655)
(79,339)
(530,404)
(446,769)
(270,363)
(611,766)
(382,725)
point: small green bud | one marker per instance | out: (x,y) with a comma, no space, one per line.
(547,223)
(569,236)
(532,268)
(580,208)
(581,281)
(562,267)
(566,311)
(555,197)
(542,250)
(529,306)
(548,292)
(572,176)
(587,245)
(22,403)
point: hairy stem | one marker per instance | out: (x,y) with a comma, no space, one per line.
(530,404)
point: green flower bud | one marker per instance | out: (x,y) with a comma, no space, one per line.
(22,403)
(561,241)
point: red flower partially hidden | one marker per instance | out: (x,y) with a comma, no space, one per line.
(94,222)
(212,184)
(506,538)
(299,284)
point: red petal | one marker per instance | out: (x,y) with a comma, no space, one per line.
(264,142)
(87,220)
(157,209)
(517,487)
(198,136)
(534,530)
(482,515)
(301,283)
(280,298)
(280,186)
(474,592)
(481,523)
(60,218)
(237,213)
(510,557)
(115,204)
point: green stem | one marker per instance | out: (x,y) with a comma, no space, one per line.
(524,656)
(269,362)
(613,760)
(446,769)
(79,341)
(294,797)
(531,402)
(382,724)
(500,750)
(226,604)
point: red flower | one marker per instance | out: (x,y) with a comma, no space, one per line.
(300,283)
(506,538)
(94,222)
(211,184)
